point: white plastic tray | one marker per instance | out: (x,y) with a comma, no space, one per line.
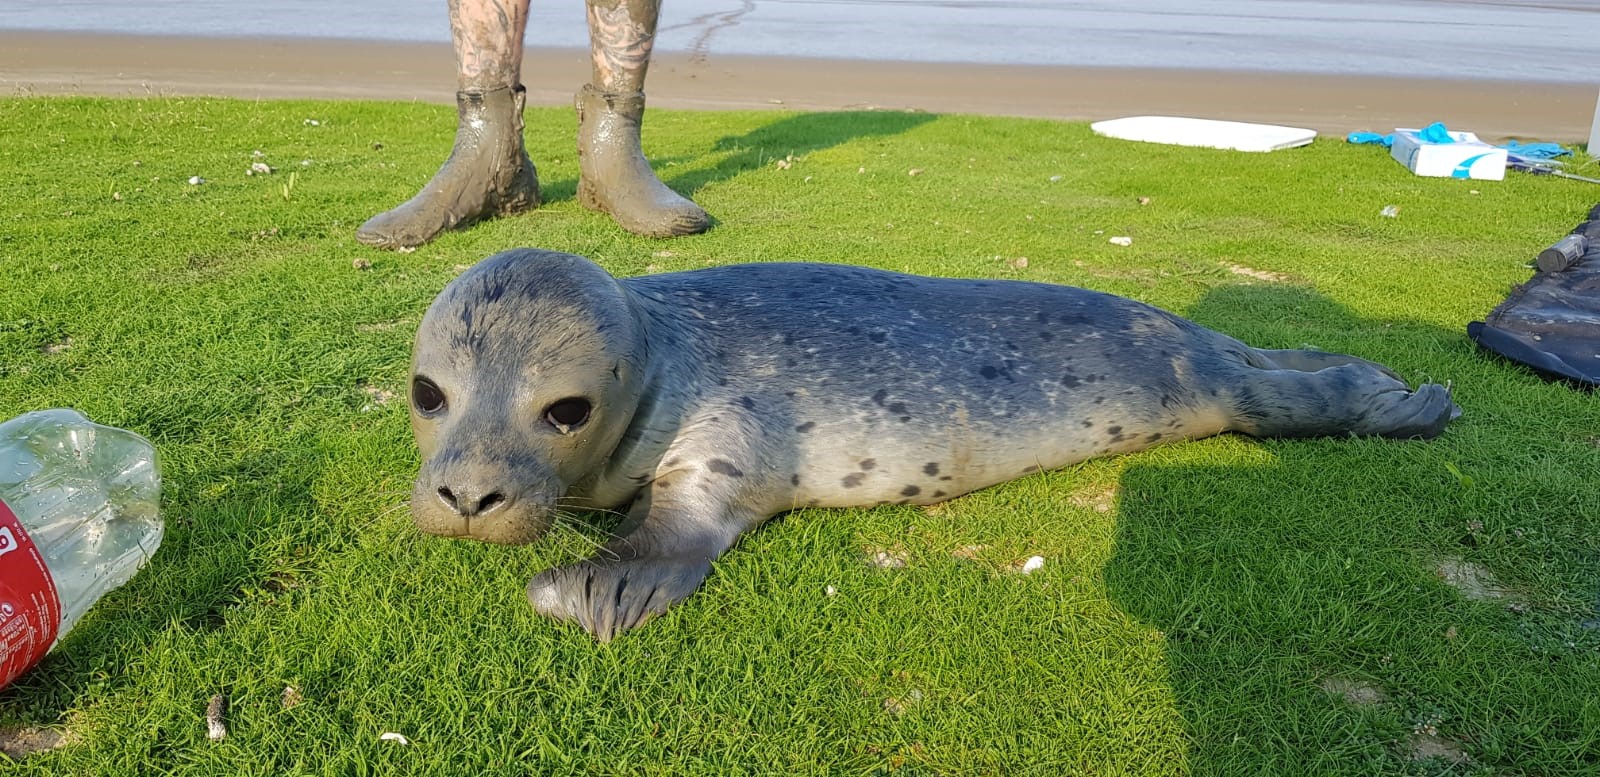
(1206,133)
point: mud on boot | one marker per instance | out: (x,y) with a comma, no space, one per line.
(615,178)
(488,174)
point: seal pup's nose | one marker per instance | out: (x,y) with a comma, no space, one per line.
(465,501)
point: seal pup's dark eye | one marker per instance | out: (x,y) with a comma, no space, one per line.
(567,414)
(426,396)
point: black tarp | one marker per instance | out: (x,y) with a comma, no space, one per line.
(1552,322)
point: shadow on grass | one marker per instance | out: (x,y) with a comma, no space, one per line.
(798,134)
(1305,624)
(211,560)
(1269,579)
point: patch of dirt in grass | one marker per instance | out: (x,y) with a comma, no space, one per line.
(56,347)
(382,326)
(203,262)
(195,268)
(1473,580)
(1097,498)
(22,741)
(1360,693)
(1250,272)
(900,705)
(969,552)
(887,558)
(1424,745)
(380,396)
(1140,275)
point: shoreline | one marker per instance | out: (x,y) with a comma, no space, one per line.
(72,63)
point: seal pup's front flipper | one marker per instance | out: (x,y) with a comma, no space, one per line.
(691,513)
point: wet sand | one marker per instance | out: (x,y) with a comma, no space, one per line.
(126,65)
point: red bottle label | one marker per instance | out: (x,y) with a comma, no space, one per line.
(30,611)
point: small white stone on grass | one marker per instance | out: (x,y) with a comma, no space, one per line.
(260,168)
(1121,240)
(312,123)
(830,591)
(1033,564)
(390,736)
(1390,211)
(195,180)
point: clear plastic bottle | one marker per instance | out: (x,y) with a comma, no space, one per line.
(82,501)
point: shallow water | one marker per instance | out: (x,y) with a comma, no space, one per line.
(1542,40)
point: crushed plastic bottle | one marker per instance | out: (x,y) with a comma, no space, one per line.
(79,515)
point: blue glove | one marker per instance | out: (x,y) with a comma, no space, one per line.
(1435,133)
(1535,150)
(1370,137)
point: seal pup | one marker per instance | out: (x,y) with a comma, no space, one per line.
(704,402)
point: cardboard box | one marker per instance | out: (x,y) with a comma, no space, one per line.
(1468,157)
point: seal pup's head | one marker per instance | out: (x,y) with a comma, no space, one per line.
(524,376)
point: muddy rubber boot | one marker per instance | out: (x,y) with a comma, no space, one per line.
(615,178)
(488,174)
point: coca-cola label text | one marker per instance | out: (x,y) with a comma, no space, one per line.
(30,611)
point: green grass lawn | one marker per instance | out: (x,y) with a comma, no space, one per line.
(1227,606)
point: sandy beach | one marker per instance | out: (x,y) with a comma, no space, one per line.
(50,63)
